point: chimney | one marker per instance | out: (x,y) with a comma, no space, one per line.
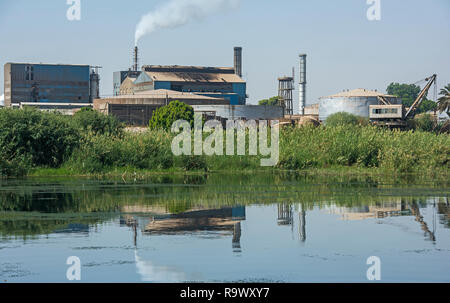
(238,61)
(136,59)
(302,84)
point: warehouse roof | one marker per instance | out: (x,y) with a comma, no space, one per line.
(360,92)
(192,74)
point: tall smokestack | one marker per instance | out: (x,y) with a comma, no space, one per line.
(136,59)
(238,61)
(302,84)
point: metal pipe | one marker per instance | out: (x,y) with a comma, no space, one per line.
(302,84)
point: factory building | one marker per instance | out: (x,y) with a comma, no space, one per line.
(137,109)
(355,102)
(216,82)
(218,92)
(50,84)
(119,79)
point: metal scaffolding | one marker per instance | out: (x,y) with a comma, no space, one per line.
(286,93)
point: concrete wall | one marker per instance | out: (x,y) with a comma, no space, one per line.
(248,112)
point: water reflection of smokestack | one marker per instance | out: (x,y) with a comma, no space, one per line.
(285,214)
(237,238)
(419,218)
(302,225)
(130,222)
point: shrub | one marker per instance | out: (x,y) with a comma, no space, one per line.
(15,167)
(164,117)
(343,118)
(190,163)
(88,120)
(44,139)
(423,122)
(151,150)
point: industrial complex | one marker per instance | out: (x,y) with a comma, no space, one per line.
(218,92)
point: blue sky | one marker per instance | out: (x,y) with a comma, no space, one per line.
(345,50)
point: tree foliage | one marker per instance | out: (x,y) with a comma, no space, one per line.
(444,101)
(164,117)
(274,101)
(88,120)
(43,139)
(409,93)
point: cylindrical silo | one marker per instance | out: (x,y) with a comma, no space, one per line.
(354,102)
(94,86)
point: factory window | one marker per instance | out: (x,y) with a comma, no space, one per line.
(29,73)
(382,111)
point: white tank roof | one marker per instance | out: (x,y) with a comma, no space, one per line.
(360,92)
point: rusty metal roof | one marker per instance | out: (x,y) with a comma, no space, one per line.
(192,74)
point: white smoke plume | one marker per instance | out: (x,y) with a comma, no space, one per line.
(180,12)
(2,100)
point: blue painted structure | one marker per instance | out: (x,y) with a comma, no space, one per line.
(206,81)
(46,83)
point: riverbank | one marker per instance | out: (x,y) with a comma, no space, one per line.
(130,173)
(341,150)
(90,144)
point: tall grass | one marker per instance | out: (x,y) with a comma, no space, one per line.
(364,146)
(32,139)
(300,148)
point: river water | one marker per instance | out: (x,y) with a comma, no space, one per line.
(284,227)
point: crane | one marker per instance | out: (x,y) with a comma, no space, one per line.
(412,110)
(397,115)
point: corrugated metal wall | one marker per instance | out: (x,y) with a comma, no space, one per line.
(49,83)
(135,115)
(250,112)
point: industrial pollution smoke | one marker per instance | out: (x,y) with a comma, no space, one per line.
(180,12)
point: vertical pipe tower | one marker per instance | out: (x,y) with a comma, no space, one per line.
(94,84)
(302,84)
(238,61)
(285,94)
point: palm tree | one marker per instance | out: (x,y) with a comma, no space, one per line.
(444,101)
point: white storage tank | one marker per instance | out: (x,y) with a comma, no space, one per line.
(354,102)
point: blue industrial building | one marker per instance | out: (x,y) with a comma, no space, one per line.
(48,83)
(217,82)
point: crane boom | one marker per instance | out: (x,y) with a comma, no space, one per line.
(418,101)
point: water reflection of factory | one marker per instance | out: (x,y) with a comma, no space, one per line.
(286,218)
(385,210)
(400,208)
(226,220)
